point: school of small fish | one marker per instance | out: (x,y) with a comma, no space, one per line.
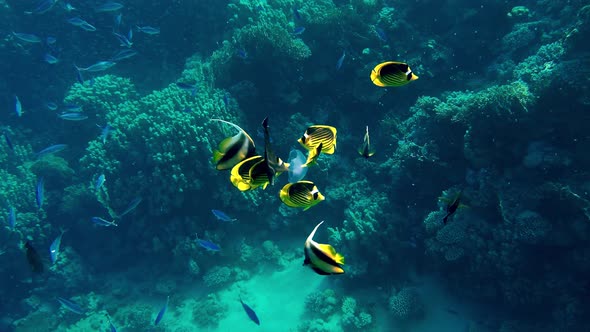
(248,170)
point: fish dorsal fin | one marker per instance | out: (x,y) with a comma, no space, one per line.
(310,237)
(241,131)
(331,252)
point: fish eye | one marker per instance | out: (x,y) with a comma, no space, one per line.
(315,195)
(303,139)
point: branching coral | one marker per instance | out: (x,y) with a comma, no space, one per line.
(352,318)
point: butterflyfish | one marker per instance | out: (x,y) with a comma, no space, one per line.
(452,205)
(365,150)
(322,258)
(392,74)
(302,194)
(319,134)
(313,155)
(274,164)
(234,149)
(240,174)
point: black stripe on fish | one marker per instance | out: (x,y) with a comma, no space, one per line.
(237,146)
(300,198)
(322,256)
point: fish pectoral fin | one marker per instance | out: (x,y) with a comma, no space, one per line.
(217,155)
(331,252)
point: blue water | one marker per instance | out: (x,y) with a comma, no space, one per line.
(497,123)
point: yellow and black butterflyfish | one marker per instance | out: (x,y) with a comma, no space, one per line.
(392,74)
(313,155)
(452,205)
(319,134)
(234,149)
(301,194)
(322,258)
(240,174)
(365,150)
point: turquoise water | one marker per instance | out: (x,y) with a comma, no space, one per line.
(110,179)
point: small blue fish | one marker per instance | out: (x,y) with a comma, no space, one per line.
(71,306)
(123,40)
(18,107)
(73,116)
(298,31)
(162,312)
(51,106)
(27,37)
(76,21)
(123,54)
(108,7)
(226,101)
(340,60)
(50,40)
(50,59)
(100,180)
(220,215)
(296,14)
(99,66)
(131,206)
(73,107)
(242,53)
(104,134)
(54,247)
(51,149)
(68,7)
(187,110)
(192,88)
(79,76)
(148,30)
(8,141)
(111,325)
(118,20)
(207,244)
(251,314)
(130,34)
(381,33)
(44,6)
(40,192)
(102,222)
(11,217)
(87,27)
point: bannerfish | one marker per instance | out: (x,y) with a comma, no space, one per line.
(33,258)
(162,312)
(365,150)
(250,312)
(234,149)
(452,205)
(297,169)
(313,155)
(71,305)
(240,174)
(302,194)
(319,134)
(220,215)
(207,244)
(274,164)
(392,74)
(322,258)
